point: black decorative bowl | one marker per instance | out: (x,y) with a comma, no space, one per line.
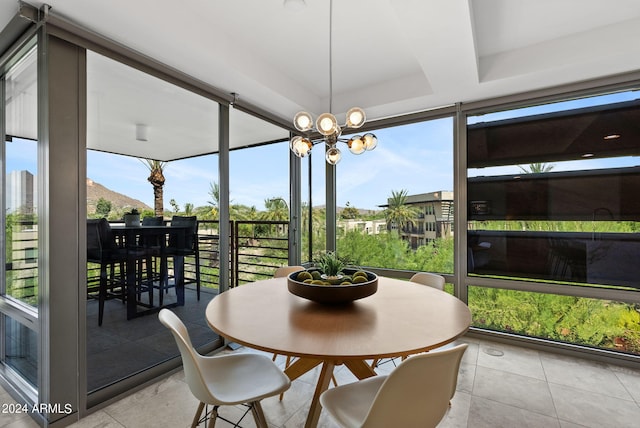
(334,294)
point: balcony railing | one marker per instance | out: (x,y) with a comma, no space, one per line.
(257,249)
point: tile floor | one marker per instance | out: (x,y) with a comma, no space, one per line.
(499,386)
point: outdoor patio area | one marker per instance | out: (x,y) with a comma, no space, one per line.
(141,342)
(499,386)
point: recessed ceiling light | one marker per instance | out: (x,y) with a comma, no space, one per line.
(142,132)
(611,137)
(294,4)
(587,155)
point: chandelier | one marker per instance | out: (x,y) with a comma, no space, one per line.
(327,125)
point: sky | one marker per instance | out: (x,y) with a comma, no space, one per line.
(364,181)
(417,158)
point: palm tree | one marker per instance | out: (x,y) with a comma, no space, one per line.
(537,167)
(398,212)
(214,192)
(244,212)
(277,209)
(156,178)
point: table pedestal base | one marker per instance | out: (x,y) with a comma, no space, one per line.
(359,368)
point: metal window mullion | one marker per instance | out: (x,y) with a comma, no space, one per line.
(3,216)
(42,79)
(588,292)
(295,208)
(3,273)
(223,203)
(459,204)
(331,206)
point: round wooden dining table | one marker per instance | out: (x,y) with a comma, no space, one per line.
(402,318)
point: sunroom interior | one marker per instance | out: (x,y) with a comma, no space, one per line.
(529,111)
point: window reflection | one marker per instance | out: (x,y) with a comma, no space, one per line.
(20,193)
(558,215)
(21,350)
(19,284)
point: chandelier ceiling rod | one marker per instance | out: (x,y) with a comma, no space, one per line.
(327,124)
(330,57)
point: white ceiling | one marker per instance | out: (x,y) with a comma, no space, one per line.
(390,57)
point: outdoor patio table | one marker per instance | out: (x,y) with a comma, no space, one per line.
(401,319)
(131,237)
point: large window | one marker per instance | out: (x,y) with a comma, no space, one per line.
(552,197)
(395,203)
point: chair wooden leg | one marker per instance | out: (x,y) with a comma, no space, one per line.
(258,415)
(213,416)
(196,418)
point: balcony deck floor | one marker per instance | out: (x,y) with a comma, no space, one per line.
(499,386)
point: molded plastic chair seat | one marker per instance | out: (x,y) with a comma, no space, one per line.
(425,278)
(227,379)
(283,271)
(431,279)
(415,395)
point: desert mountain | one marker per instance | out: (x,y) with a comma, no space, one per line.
(119,202)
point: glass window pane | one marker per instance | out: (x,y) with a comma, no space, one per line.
(591,322)
(119,178)
(552,196)
(20,193)
(396,201)
(259,210)
(21,350)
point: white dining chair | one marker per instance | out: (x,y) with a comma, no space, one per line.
(286,270)
(225,380)
(416,394)
(430,279)
(424,278)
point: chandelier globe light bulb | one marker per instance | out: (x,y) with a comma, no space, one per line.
(333,155)
(356,117)
(356,145)
(303,121)
(370,141)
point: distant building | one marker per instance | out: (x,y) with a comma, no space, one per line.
(21,195)
(435,218)
(369,227)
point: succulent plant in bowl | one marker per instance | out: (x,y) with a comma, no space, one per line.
(332,280)
(330,264)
